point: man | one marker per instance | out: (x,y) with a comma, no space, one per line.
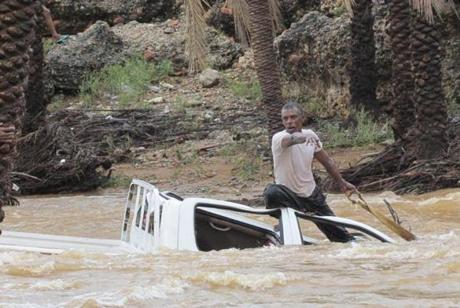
(46,14)
(293,152)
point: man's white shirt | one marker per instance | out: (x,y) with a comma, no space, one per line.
(293,164)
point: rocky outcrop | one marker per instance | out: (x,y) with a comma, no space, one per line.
(316,53)
(291,10)
(162,41)
(68,64)
(166,40)
(75,16)
(101,45)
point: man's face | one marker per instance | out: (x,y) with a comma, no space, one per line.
(292,120)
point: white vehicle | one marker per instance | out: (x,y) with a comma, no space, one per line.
(154,220)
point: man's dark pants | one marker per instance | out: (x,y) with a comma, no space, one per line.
(276,195)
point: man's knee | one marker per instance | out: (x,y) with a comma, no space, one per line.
(273,196)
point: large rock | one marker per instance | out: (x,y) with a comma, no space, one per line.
(291,10)
(101,45)
(162,40)
(68,64)
(76,15)
(209,78)
(315,52)
(166,40)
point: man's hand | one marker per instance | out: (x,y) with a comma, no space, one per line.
(7,133)
(347,188)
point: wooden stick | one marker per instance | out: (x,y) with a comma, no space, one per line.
(399,230)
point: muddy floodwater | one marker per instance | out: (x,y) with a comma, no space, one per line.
(421,273)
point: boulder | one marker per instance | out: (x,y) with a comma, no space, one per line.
(315,52)
(156,40)
(74,16)
(100,45)
(166,40)
(209,78)
(291,10)
(84,53)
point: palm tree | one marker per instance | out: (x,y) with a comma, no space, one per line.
(431,117)
(363,80)
(402,79)
(263,19)
(35,98)
(17,22)
(419,106)
(430,102)
(268,73)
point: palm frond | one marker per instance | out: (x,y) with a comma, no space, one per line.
(349,4)
(429,8)
(275,12)
(240,11)
(195,25)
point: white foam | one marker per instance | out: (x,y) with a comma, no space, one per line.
(131,295)
(236,280)
(455,196)
(56,284)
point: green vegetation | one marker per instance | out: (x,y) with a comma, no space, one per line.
(453,106)
(339,11)
(316,106)
(125,83)
(250,90)
(48,44)
(117,181)
(365,132)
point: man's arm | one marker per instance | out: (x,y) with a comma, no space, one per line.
(334,172)
(291,139)
(298,137)
(49,23)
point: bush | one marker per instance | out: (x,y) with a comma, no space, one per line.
(125,83)
(250,90)
(365,132)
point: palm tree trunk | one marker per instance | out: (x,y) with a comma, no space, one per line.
(17,22)
(363,81)
(402,80)
(267,69)
(35,96)
(430,103)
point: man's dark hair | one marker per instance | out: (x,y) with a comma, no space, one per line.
(293,105)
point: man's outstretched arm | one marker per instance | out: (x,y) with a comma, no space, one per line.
(49,23)
(334,172)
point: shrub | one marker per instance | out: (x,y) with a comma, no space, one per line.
(250,90)
(125,83)
(365,132)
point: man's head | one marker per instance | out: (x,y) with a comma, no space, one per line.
(292,117)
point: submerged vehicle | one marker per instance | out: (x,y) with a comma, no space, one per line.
(155,219)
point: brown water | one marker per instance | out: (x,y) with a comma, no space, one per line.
(421,273)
